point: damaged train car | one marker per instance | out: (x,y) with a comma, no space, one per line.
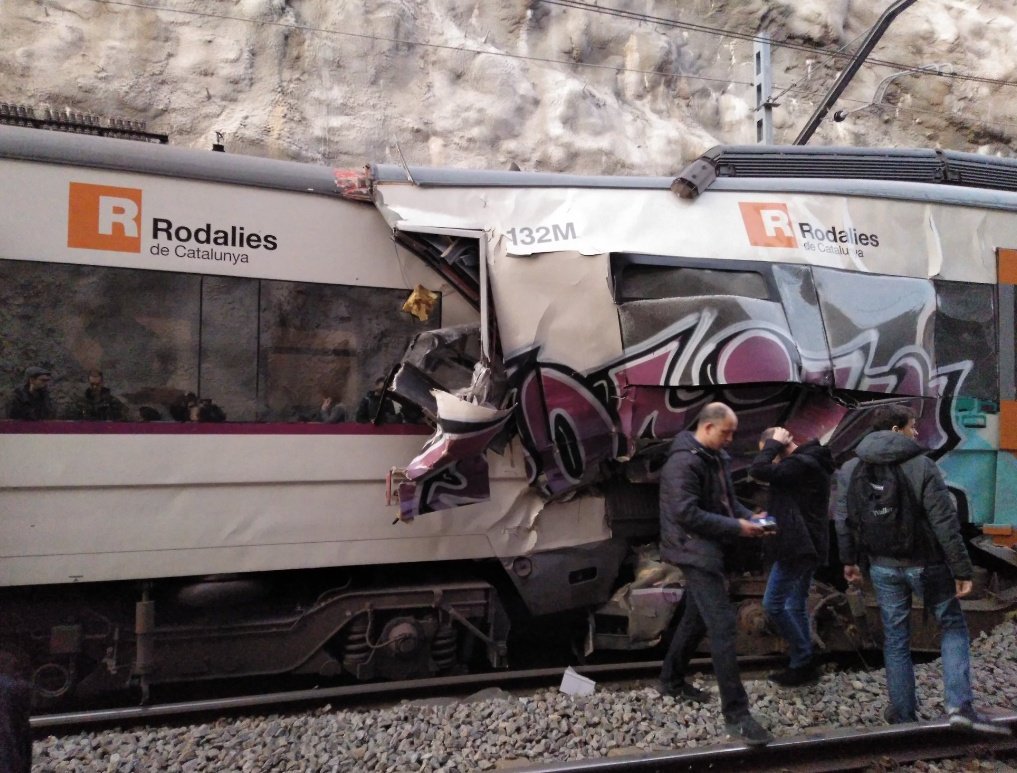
(448,393)
(801,286)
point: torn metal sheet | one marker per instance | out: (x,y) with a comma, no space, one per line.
(443,359)
(451,470)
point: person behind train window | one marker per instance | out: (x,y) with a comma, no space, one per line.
(31,401)
(410,413)
(699,519)
(190,407)
(98,403)
(331,412)
(799,481)
(376,406)
(936,567)
(207,411)
(185,407)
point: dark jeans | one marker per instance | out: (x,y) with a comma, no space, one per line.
(785,602)
(15,733)
(708,610)
(894,587)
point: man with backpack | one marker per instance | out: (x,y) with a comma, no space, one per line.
(894,511)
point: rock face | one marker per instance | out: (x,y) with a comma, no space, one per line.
(530,82)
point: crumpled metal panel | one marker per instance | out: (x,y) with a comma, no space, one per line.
(712,340)
(451,470)
(824,340)
(443,359)
(879,330)
(567,431)
(804,317)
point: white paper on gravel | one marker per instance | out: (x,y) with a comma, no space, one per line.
(575,684)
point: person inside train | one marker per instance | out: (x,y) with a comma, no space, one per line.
(31,401)
(97,403)
(190,407)
(332,411)
(377,407)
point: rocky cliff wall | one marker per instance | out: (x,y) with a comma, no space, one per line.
(481,84)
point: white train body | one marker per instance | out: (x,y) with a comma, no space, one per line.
(82,503)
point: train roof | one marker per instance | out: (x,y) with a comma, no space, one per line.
(911,174)
(898,173)
(916,165)
(148,158)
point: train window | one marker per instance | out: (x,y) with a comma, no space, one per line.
(640,282)
(141,328)
(965,330)
(262,350)
(320,341)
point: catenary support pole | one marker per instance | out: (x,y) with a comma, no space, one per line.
(763,78)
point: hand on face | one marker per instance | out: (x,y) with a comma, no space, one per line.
(782,436)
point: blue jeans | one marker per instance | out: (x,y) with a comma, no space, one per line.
(787,591)
(935,584)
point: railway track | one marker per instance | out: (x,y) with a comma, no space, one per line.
(374,692)
(832,749)
(882,748)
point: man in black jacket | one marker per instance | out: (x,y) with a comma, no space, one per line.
(699,518)
(31,401)
(97,402)
(939,571)
(799,481)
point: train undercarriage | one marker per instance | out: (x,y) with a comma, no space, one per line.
(78,644)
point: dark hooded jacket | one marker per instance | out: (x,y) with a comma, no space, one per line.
(30,406)
(938,538)
(695,524)
(799,499)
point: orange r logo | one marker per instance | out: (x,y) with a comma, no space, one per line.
(768,225)
(101,217)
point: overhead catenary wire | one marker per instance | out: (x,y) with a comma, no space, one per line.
(754,37)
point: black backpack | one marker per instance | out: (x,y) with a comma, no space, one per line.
(883,509)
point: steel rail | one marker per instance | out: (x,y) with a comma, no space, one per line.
(140,715)
(815,752)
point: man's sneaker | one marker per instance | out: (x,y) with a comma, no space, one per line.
(968,720)
(684,691)
(748,731)
(794,677)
